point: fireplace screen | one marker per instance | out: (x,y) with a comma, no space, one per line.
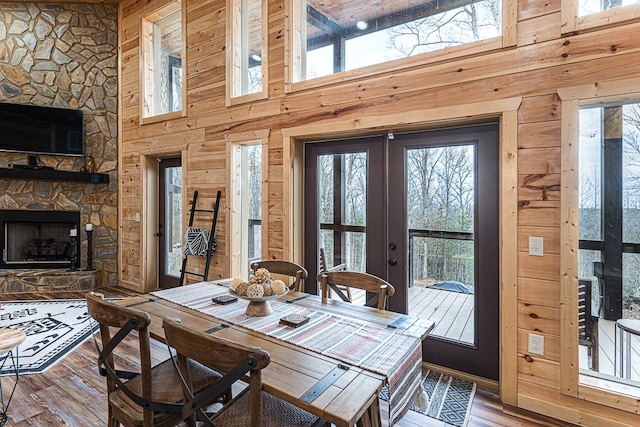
(34,240)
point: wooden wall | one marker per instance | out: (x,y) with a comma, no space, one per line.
(540,64)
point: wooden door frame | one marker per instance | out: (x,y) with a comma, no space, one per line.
(506,111)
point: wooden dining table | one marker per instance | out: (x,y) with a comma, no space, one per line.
(341,393)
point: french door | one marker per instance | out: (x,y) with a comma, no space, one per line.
(421,211)
(169,222)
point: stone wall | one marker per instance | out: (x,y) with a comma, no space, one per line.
(65,55)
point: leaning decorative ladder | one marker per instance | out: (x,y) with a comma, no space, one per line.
(199,242)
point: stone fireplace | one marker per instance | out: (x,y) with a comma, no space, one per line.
(62,55)
(38,239)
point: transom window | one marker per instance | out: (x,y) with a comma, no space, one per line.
(345,35)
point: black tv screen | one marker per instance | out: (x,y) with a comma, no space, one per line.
(41,130)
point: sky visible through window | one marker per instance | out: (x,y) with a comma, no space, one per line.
(477,21)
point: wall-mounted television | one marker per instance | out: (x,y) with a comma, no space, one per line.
(41,130)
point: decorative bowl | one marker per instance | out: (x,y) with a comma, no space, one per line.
(259,306)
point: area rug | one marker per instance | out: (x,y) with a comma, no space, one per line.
(450,399)
(54,328)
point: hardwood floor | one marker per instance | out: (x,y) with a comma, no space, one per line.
(71,393)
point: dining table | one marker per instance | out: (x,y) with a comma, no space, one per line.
(334,366)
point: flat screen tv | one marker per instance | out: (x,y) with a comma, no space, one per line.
(41,130)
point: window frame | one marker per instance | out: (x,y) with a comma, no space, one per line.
(234,50)
(294,55)
(146,57)
(235,142)
(571,22)
(572,383)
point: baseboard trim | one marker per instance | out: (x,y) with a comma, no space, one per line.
(480,381)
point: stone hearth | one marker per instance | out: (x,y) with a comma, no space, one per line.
(47,280)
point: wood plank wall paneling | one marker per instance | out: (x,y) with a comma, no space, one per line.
(542,63)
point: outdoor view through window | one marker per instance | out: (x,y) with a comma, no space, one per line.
(609,233)
(345,35)
(587,7)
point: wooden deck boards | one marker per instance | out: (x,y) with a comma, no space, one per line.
(452,311)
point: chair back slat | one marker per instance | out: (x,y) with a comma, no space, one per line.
(353,279)
(285,268)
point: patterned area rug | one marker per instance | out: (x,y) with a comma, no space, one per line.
(450,399)
(54,328)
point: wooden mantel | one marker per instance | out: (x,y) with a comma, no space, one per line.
(53,175)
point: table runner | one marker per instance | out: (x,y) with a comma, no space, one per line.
(344,338)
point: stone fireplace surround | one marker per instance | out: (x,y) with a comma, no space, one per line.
(65,55)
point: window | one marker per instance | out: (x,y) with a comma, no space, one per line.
(609,193)
(342,35)
(583,14)
(162,52)
(588,7)
(246,205)
(601,161)
(246,59)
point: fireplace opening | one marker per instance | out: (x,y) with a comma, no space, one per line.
(38,239)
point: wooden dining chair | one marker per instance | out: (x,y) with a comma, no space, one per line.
(151,395)
(252,406)
(285,268)
(353,279)
(339,267)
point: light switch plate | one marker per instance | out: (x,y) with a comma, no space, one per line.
(536,246)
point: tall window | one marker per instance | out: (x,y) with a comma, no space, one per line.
(246,50)
(609,221)
(162,50)
(246,206)
(344,35)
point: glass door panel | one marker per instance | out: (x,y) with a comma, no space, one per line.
(342,180)
(339,213)
(170,225)
(440,208)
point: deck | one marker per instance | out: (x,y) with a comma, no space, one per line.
(453,313)
(607,342)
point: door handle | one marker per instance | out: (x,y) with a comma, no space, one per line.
(393,261)
(159,234)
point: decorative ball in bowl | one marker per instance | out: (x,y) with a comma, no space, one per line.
(258,290)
